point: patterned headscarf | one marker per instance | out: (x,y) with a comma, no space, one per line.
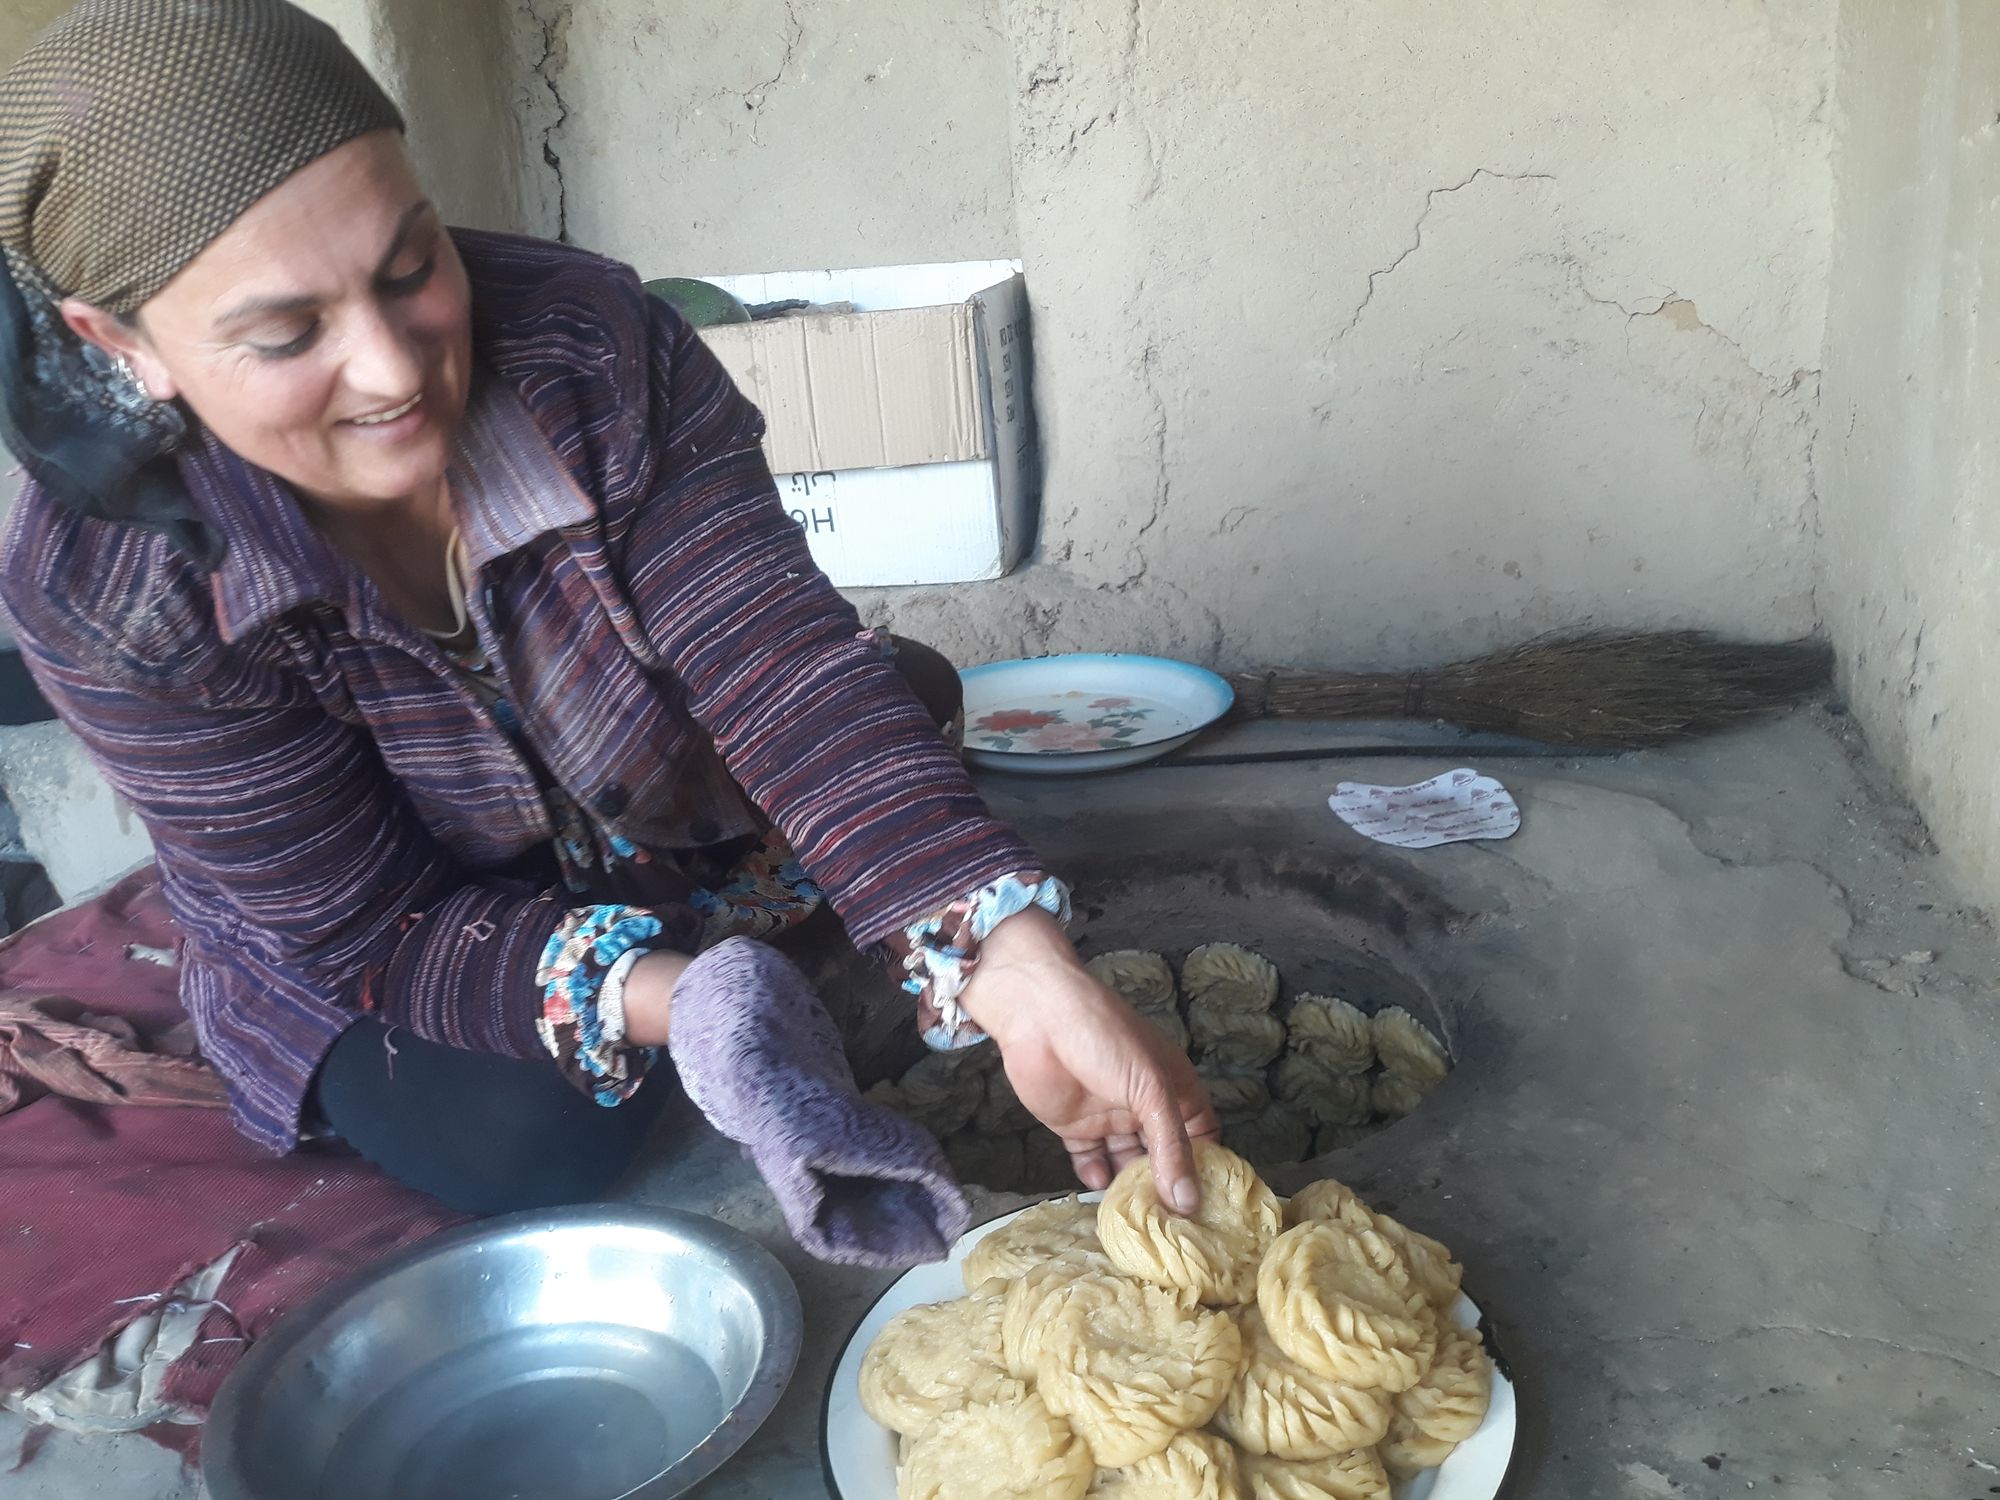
(132,134)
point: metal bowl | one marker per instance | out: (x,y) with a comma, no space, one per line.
(594,1353)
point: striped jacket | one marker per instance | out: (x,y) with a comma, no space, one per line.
(334,811)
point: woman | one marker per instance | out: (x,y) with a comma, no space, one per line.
(429,597)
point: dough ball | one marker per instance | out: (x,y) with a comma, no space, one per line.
(1034,1299)
(1342,1304)
(942,1090)
(1449,1403)
(933,1359)
(1169,1024)
(1013,1448)
(994,1161)
(1407,1450)
(1278,1137)
(1436,1274)
(1001,1111)
(1278,1406)
(1145,979)
(1215,1252)
(1340,1137)
(1033,1236)
(1226,977)
(1393,1096)
(1238,1039)
(1194,1466)
(1406,1046)
(1045,1163)
(1351,1476)
(1331,1201)
(1236,1096)
(1327,1095)
(1131,1365)
(1334,1031)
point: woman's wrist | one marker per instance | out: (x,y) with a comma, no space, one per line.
(649,995)
(1011,954)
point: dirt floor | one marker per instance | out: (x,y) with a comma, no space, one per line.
(1718,1151)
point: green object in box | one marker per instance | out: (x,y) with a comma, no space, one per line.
(702,303)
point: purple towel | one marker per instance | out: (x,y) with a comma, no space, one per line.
(858,1184)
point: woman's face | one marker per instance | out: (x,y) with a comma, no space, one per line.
(326,335)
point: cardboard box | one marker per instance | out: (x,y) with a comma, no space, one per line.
(901,434)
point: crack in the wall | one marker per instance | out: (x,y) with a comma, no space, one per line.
(1417,242)
(553,23)
(757,94)
(1163,483)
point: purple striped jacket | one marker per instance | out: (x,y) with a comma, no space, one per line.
(333,810)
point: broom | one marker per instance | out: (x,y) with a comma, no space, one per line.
(1621,691)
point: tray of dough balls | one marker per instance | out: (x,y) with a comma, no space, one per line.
(1262,1349)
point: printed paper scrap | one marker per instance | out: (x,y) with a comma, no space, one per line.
(1447,809)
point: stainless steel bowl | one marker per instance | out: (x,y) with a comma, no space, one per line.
(593,1353)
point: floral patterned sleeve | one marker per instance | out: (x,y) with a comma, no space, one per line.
(938,954)
(582,974)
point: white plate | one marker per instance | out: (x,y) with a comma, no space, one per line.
(1064,715)
(861,1456)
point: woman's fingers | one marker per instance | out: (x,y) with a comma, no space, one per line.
(1087,1160)
(1173,1157)
(1123,1149)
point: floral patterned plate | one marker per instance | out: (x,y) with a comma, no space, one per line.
(1065,715)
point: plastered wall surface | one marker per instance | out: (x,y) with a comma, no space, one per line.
(1911,532)
(769,134)
(1378,333)
(453,67)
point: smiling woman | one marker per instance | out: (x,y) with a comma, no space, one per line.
(428,595)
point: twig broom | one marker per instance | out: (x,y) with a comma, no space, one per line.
(1619,691)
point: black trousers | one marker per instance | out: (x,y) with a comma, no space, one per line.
(490,1135)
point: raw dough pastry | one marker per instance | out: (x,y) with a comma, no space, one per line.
(1431,1269)
(1407,1450)
(1226,976)
(1146,979)
(1328,1095)
(1278,1406)
(1235,1038)
(1194,1466)
(1236,1096)
(1351,1476)
(1033,1300)
(942,1090)
(1449,1403)
(1001,1111)
(1214,1253)
(1334,1031)
(1406,1046)
(1331,1201)
(1343,1304)
(1014,1448)
(1276,1138)
(1036,1235)
(993,1161)
(933,1359)
(1131,1365)
(1436,1274)
(1394,1096)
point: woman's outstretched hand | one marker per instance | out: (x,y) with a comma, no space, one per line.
(1085,1063)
